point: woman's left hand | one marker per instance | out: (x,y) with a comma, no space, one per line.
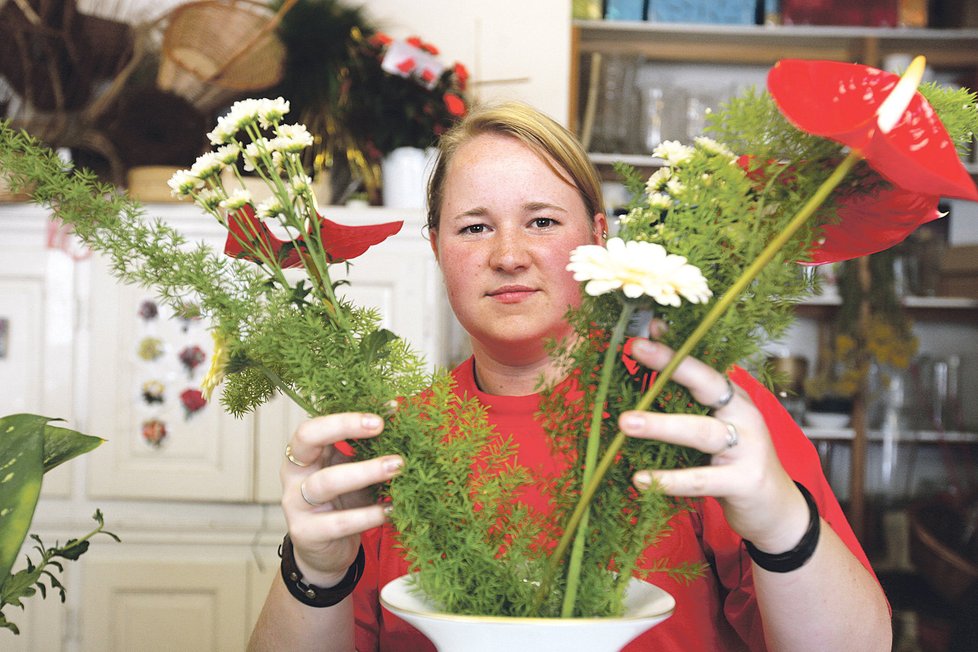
(761,502)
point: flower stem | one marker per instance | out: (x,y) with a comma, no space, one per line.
(283,387)
(720,307)
(591,456)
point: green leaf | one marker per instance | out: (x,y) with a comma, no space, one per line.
(372,344)
(21,452)
(62,444)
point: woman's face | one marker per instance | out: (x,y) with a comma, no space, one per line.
(507,226)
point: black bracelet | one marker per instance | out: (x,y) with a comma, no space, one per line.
(797,556)
(310,594)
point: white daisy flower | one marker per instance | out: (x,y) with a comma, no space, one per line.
(271,208)
(209,199)
(675,187)
(184,182)
(638,268)
(291,138)
(714,147)
(207,165)
(236,199)
(660,201)
(658,179)
(271,112)
(228,154)
(672,151)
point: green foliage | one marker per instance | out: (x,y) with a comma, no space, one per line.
(29,447)
(30,579)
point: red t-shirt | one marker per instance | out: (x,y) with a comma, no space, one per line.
(717,611)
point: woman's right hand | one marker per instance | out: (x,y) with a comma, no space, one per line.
(325,497)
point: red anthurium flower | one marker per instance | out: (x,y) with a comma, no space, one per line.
(454,104)
(246,234)
(868,224)
(461,74)
(842,101)
(380,39)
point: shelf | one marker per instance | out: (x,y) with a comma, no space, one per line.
(763,45)
(914,436)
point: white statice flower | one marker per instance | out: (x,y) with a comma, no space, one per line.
(660,201)
(207,165)
(672,151)
(638,268)
(271,112)
(236,199)
(184,182)
(658,179)
(714,147)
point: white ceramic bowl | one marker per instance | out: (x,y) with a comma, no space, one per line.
(828,420)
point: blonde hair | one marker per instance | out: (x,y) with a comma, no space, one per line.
(552,142)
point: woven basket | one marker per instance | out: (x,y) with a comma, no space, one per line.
(947,571)
(213,51)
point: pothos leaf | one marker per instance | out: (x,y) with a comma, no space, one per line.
(21,452)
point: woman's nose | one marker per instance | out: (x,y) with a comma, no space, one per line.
(509,251)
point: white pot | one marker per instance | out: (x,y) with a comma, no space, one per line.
(405,173)
(646,605)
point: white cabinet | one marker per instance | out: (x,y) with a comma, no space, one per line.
(197,514)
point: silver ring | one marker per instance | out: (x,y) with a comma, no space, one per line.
(724,400)
(291,458)
(302,492)
(733,437)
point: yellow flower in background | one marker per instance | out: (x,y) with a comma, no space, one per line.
(219,362)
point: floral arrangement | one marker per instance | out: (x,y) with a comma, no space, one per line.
(710,245)
(402,94)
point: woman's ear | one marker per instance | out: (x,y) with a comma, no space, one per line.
(600,231)
(433,242)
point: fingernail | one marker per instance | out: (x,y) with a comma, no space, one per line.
(642,480)
(642,347)
(631,422)
(370,422)
(388,509)
(393,465)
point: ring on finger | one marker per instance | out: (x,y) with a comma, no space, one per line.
(302,492)
(733,437)
(290,457)
(724,400)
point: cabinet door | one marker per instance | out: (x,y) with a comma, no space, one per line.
(37,340)
(150,604)
(158,446)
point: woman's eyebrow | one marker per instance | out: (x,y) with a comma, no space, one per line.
(540,205)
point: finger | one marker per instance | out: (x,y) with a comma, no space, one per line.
(658,328)
(321,488)
(341,523)
(312,437)
(706,384)
(697,481)
(706,434)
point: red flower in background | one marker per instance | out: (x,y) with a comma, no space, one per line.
(248,236)
(899,137)
(455,104)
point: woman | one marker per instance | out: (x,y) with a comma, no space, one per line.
(512,194)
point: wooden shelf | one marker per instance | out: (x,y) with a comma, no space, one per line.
(763,45)
(911,437)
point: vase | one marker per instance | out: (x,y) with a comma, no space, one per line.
(405,174)
(646,605)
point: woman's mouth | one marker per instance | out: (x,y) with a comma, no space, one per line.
(511,293)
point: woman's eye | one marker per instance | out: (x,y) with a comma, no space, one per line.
(473,228)
(544,222)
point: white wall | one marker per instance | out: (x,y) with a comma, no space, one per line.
(514,49)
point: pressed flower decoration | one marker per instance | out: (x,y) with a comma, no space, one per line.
(710,244)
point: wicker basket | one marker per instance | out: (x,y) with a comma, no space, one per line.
(213,51)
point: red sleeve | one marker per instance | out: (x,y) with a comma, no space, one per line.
(800,459)
(366,597)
